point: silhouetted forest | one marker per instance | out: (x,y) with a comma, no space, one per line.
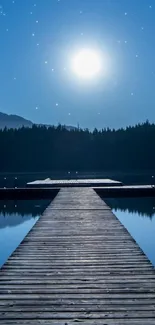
(57,149)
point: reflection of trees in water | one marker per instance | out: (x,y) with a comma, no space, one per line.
(14,220)
(13,213)
(143,206)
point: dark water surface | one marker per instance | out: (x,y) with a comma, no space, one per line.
(138,216)
(16,220)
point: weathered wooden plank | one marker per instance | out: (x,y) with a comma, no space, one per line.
(75,251)
(95,255)
(69,282)
(132,321)
(69,302)
(77,315)
(66,290)
(75,308)
(16,285)
(78,264)
(85,279)
(75,295)
(54,260)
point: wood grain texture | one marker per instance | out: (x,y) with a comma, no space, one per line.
(78,264)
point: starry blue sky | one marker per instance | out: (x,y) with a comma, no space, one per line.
(37,41)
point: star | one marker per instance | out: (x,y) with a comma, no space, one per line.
(33,34)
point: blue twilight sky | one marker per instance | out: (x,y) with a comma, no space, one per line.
(38,40)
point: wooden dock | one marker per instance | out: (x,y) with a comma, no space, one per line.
(47,183)
(77,265)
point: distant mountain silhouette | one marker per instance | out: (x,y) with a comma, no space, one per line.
(13,121)
(17,122)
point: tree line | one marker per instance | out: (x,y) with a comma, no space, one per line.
(40,148)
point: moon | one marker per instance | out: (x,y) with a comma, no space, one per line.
(87,64)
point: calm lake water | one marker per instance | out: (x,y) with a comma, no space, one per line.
(138,216)
(16,220)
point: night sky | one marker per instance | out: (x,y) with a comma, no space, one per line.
(38,40)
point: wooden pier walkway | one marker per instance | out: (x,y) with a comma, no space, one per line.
(78,265)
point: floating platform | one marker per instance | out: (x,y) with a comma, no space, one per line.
(74,182)
(78,265)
